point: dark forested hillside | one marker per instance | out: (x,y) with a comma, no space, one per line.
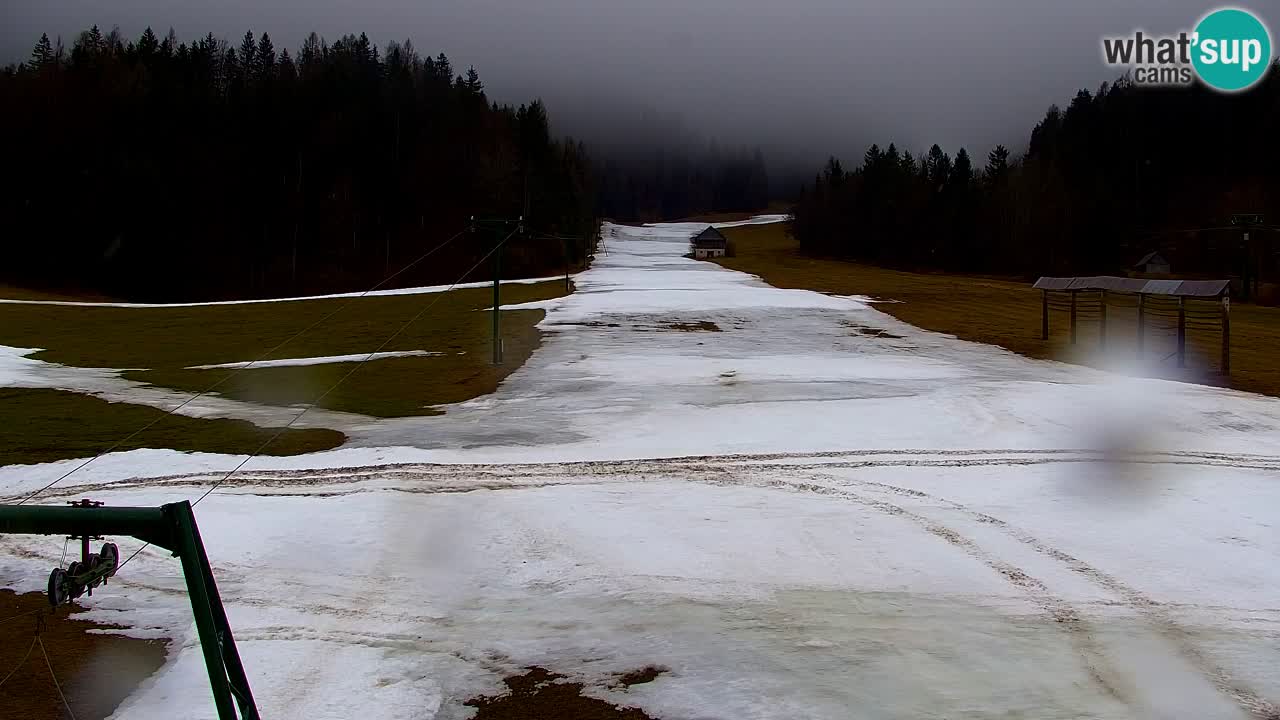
(1116,174)
(666,183)
(151,168)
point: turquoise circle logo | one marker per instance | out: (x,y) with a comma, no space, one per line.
(1232,49)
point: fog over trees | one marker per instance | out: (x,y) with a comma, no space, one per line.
(161,169)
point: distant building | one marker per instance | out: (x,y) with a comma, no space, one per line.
(709,243)
(1152,263)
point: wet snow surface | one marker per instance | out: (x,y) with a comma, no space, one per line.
(321,360)
(817,512)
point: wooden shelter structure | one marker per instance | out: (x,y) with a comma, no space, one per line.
(1202,304)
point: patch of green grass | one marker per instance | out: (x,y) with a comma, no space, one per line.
(160,343)
(42,425)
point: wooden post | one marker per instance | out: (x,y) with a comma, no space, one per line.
(1073,316)
(1044,314)
(1182,331)
(1226,335)
(1102,318)
(1142,324)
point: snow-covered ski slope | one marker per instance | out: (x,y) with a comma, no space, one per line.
(816,512)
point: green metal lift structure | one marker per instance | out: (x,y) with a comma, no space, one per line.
(172,527)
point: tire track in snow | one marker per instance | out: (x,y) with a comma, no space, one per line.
(731,469)
(1150,609)
(502,475)
(1092,655)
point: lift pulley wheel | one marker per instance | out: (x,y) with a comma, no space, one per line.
(79,576)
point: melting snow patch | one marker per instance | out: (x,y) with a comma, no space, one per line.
(322,360)
(374,293)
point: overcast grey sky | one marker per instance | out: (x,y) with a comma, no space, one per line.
(803,78)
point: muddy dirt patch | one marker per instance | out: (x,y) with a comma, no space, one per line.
(95,671)
(540,694)
(700,326)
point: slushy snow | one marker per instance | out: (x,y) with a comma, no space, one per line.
(817,512)
(319,360)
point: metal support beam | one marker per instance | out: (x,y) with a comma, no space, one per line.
(499,226)
(171,527)
(497,307)
(145,523)
(564,250)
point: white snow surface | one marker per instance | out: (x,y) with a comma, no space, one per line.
(816,512)
(319,360)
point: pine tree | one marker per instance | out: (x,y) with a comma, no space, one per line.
(247,54)
(444,69)
(264,62)
(288,73)
(997,165)
(937,167)
(232,71)
(871,158)
(42,55)
(113,42)
(833,173)
(309,55)
(962,170)
(87,47)
(473,84)
(366,53)
(908,165)
(169,44)
(148,44)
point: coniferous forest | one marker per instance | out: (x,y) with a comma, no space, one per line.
(158,169)
(152,168)
(1118,173)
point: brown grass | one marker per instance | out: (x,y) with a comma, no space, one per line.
(773,209)
(162,342)
(96,671)
(39,425)
(1007,313)
(13,292)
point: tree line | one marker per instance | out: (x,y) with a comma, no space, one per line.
(1120,172)
(673,181)
(154,168)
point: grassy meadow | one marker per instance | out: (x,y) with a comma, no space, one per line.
(158,346)
(1007,312)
